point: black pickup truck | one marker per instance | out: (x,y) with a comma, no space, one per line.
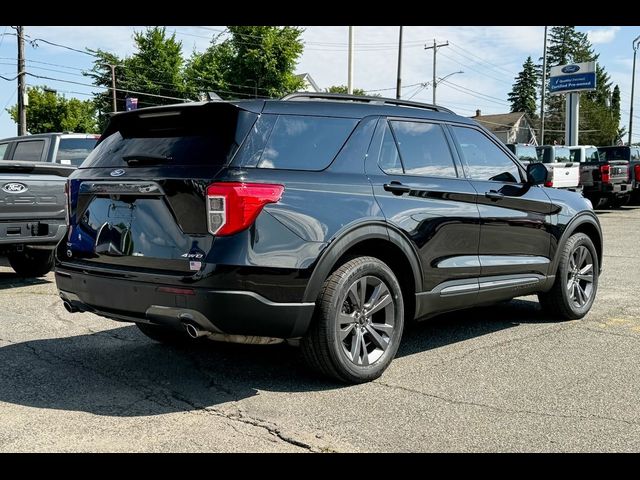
(33,174)
(604,181)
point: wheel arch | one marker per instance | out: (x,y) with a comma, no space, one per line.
(371,239)
(588,224)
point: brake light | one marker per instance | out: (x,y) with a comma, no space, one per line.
(605,173)
(548,183)
(636,170)
(234,206)
(67,202)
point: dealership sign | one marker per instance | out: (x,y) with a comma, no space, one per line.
(575,77)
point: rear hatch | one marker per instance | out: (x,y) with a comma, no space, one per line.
(139,198)
(32,190)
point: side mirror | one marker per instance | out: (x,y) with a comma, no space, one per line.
(538,174)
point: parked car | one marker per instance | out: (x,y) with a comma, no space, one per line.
(566,173)
(605,182)
(63,148)
(630,154)
(328,219)
(525,152)
(33,173)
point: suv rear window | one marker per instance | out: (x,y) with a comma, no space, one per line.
(73,151)
(198,135)
(294,142)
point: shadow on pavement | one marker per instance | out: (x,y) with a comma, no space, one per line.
(120,372)
(11,279)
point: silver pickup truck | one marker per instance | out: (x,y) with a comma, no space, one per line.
(566,173)
(33,174)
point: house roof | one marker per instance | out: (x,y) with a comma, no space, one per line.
(500,121)
(305,77)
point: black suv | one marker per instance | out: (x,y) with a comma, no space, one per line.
(331,219)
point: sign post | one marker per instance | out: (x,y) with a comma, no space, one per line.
(572,79)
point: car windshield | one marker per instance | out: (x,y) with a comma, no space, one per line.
(73,151)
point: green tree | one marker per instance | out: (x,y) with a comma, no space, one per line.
(255,61)
(156,69)
(344,89)
(50,112)
(523,95)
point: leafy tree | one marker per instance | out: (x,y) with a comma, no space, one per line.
(344,89)
(255,61)
(156,68)
(50,112)
(523,95)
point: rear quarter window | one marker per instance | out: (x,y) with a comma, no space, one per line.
(296,142)
(30,150)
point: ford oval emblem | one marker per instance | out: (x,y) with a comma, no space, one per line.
(14,188)
(570,69)
(117,173)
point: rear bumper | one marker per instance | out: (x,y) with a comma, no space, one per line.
(221,311)
(607,189)
(30,232)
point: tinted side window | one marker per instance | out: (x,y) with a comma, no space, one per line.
(305,143)
(3,149)
(389,160)
(574,155)
(31,150)
(423,149)
(485,160)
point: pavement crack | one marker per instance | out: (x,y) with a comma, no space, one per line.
(502,409)
(607,332)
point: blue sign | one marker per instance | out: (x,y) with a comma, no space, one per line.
(573,77)
(571,83)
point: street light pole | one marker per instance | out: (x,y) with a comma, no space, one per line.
(635,44)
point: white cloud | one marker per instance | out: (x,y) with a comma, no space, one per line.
(603,35)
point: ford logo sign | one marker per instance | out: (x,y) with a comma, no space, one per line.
(14,188)
(117,173)
(570,69)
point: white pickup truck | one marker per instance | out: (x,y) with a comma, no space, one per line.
(566,174)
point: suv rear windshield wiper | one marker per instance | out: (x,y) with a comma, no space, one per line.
(145,159)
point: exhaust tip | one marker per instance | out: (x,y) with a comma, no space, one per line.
(69,308)
(194,331)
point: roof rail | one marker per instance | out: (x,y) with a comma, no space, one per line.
(363,99)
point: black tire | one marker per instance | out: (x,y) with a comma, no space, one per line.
(563,301)
(323,348)
(618,202)
(31,263)
(166,335)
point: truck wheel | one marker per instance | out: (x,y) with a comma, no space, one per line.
(576,284)
(31,263)
(358,322)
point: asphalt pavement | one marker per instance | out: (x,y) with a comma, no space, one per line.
(501,378)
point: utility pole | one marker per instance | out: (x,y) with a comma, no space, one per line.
(435,49)
(22,112)
(399,84)
(113,87)
(635,44)
(350,79)
(544,86)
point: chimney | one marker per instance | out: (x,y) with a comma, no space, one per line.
(478,113)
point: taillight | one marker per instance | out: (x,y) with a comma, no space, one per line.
(234,206)
(548,183)
(67,202)
(605,173)
(636,172)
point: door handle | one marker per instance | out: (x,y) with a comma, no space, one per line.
(396,188)
(493,195)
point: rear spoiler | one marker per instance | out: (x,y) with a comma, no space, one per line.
(46,168)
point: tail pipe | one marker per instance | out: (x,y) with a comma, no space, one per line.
(68,307)
(194,331)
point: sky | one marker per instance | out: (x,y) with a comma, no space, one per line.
(488,57)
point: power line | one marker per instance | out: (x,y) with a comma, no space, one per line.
(456,46)
(487,97)
(34,43)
